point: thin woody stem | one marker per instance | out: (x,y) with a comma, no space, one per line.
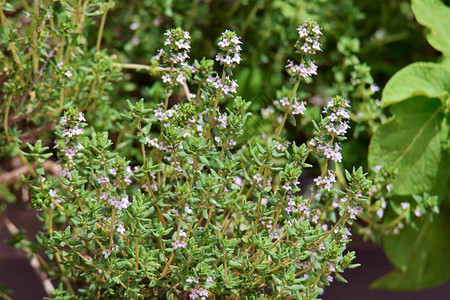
(291,99)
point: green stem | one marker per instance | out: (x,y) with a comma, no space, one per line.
(258,210)
(318,276)
(291,99)
(5,121)
(139,67)
(334,227)
(100,31)
(210,210)
(216,104)
(2,18)
(5,296)
(147,178)
(76,22)
(164,272)
(62,97)
(35,38)
(137,255)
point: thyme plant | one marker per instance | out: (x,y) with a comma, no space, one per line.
(200,216)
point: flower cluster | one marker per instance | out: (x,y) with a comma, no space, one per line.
(337,117)
(175,53)
(178,43)
(302,70)
(200,291)
(177,77)
(307,44)
(70,129)
(334,124)
(65,70)
(116,202)
(180,242)
(298,107)
(326,182)
(229,54)
(309,34)
(225,86)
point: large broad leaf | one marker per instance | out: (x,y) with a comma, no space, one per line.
(422,256)
(435,15)
(411,142)
(421,78)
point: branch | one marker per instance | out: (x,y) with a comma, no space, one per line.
(14,175)
(34,262)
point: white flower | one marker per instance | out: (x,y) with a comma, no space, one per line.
(380,213)
(178,244)
(389,187)
(238,180)
(181,79)
(166,78)
(222,120)
(287,187)
(374,88)
(405,205)
(53,193)
(121,229)
(284,101)
(257,177)
(418,212)
(106,253)
(134,26)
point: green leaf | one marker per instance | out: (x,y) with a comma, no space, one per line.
(261,149)
(296,287)
(435,15)
(291,120)
(410,141)
(203,160)
(40,170)
(421,257)
(340,278)
(421,78)
(146,129)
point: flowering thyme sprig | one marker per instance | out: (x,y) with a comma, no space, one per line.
(309,34)
(229,57)
(229,45)
(333,125)
(175,53)
(178,46)
(71,127)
